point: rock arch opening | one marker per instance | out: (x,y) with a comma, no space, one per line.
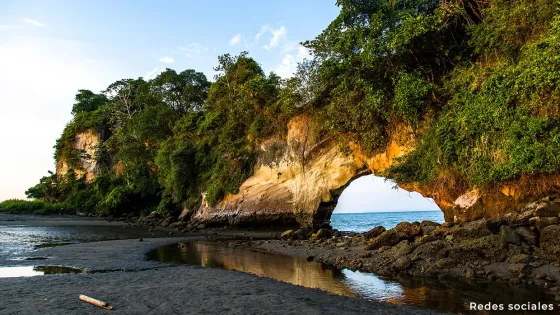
(370,201)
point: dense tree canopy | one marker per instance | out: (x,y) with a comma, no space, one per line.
(476,80)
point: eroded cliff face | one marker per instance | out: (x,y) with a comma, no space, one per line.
(300,177)
(85,144)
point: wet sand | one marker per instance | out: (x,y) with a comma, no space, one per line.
(134,285)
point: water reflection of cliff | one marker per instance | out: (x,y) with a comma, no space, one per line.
(437,294)
(283,268)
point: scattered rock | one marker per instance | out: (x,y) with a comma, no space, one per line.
(140,240)
(200,226)
(518,259)
(375,232)
(518,269)
(287,235)
(365,255)
(402,263)
(470,230)
(166,222)
(340,244)
(301,234)
(427,230)
(542,222)
(310,258)
(509,235)
(445,263)
(527,235)
(547,209)
(441,231)
(550,242)
(403,231)
(321,234)
(408,230)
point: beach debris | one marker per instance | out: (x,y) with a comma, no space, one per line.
(95,302)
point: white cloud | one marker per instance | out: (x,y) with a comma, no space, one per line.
(34,22)
(4,27)
(192,49)
(167,60)
(277,36)
(153,73)
(235,40)
(289,63)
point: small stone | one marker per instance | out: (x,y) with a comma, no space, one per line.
(365,255)
(527,235)
(519,258)
(310,258)
(375,232)
(536,264)
(509,236)
(201,226)
(547,209)
(517,269)
(140,240)
(542,222)
(321,234)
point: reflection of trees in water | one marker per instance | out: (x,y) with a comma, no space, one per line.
(55,270)
(452,296)
(279,267)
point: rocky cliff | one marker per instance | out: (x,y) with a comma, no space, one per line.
(298,178)
(84,144)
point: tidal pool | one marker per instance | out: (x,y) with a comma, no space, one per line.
(436,295)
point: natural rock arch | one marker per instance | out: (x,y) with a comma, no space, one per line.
(299,178)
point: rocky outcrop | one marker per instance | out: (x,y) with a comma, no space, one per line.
(298,179)
(299,176)
(501,249)
(85,144)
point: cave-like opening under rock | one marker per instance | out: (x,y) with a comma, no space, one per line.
(369,201)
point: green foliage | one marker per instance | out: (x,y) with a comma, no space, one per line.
(476,80)
(34,207)
(503,117)
(379,62)
(87,102)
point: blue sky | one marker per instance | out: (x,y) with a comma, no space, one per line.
(50,49)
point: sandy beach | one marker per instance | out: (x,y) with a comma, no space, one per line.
(134,285)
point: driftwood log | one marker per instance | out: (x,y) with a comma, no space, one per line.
(95,302)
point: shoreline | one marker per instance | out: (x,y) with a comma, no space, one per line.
(149,287)
(430,257)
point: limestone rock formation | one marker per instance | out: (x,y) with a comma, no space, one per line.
(298,179)
(85,143)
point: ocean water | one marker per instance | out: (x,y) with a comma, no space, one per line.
(361,222)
